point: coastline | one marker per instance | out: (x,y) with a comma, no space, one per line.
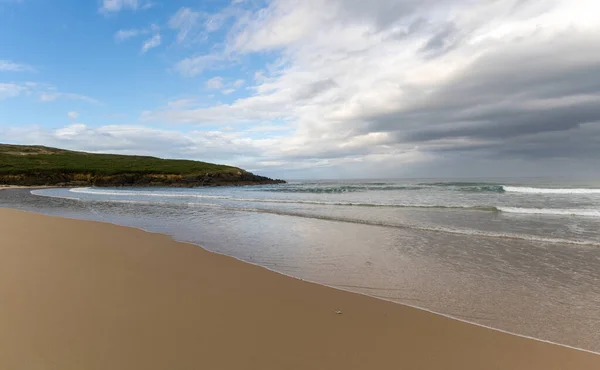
(9,187)
(6,187)
(82,294)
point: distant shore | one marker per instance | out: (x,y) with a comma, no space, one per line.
(40,165)
(2,187)
(87,295)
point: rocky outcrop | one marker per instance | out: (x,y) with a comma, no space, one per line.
(239,178)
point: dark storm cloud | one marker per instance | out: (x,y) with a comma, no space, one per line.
(505,124)
(529,101)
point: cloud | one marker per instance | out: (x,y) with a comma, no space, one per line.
(10,90)
(73,115)
(50,96)
(262,155)
(193,66)
(385,87)
(181,103)
(184,21)
(226,87)
(126,34)
(416,79)
(131,139)
(115,6)
(123,35)
(215,83)
(46,93)
(239,83)
(9,66)
(193,26)
(151,43)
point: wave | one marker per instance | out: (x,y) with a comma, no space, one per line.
(464,187)
(370,205)
(552,211)
(129,193)
(539,211)
(578,212)
(470,187)
(337,189)
(279,201)
(529,190)
(466,232)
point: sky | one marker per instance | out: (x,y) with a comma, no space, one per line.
(313,88)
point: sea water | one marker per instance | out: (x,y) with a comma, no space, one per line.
(517,255)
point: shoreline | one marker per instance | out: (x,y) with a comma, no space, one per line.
(441,312)
(9,187)
(298,306)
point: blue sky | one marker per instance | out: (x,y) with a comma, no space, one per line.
(74,47)
(320,88)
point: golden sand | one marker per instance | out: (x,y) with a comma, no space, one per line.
(86,296)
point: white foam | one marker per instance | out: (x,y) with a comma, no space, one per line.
(470,232)
(552,211)
(136,193)
(40,194)
(127,193)
(529,190)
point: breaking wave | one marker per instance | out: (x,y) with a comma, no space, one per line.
(447,230)
(552,211)
(528,190)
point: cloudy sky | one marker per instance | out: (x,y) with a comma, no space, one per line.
(312,88)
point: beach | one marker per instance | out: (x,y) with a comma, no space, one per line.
(87,295)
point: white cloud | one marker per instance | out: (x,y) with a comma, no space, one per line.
(114,6)
(73,115)
(181,103)
(191,67)
(45,92)
(123,35)
(126,34)
(215,83)
(11,90)
(218,83)
(184,21)
(151,43)
(10,66)
(131,139)
(50,96)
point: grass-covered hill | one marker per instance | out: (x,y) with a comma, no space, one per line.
(39,165)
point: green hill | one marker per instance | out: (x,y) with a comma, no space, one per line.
(39,165)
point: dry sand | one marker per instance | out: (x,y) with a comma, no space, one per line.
(85,295)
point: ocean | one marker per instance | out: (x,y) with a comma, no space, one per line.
(519,255)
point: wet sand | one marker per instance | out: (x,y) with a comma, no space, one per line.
(86,295)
